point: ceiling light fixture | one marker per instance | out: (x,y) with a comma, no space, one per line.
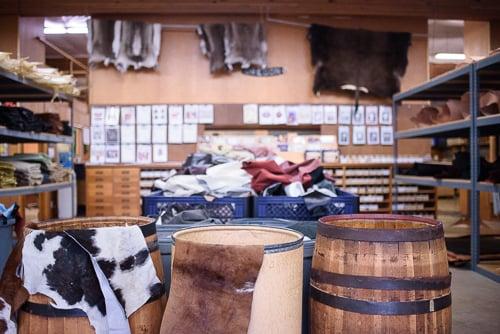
(449,56)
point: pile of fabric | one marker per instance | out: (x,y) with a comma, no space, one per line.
(35,169)
(7,175)
(227,179)
(124,43)
(230,44)
(22,119)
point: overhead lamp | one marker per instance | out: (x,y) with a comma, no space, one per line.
(449,56)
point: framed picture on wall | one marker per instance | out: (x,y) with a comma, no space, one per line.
(358,116)
(373,135)
(359,134)
(345,115)
(343,134)
(386,135)
(330,114)
(371,115)
(385,115)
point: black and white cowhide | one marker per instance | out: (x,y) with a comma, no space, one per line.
(7,326)
(59,265)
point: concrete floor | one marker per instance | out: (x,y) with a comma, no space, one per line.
(475,303)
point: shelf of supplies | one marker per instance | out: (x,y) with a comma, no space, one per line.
(448,85)
(433,182)
(16,88)
(18,191)
(488,125)
(13,136)
(445,130)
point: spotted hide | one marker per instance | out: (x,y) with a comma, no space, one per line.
(7,326)
(59,265)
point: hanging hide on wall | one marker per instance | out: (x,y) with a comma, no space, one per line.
(360,58)
(212,45)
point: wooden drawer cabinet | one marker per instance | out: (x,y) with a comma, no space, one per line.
(113,191)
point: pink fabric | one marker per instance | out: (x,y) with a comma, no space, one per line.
(266,173)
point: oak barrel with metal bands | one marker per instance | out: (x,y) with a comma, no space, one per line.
(380,274)
(38,316)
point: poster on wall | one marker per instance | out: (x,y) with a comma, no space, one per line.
(112,115)
(159,134)
(175,114)
(330,114)
(112,134)
(97,135)
(112,154)
(127,134)
(358,116)
(206,113)
(385,115)
(345,115)
(97,153)
(174,133)
(386,135)
(127,153)
(292,114)
(190,113)
(160,153)
(318,114)
(304,115)
(343,135)
(143,114)
(159,114)
(250,114)
(97,115)
(127,115)
(144,154)
(359,134)
(279,114)
(190,133)
(373,135)
(144,134)
(266,114)
(371,115)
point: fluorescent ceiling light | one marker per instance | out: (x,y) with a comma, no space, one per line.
(54,30)
(449,56)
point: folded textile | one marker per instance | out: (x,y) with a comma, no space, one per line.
(360,58)
(266,173)
(245,44)
(51,171)
(7,175)
(212,45)
(20,119)
(60,265)
(27,174)
(124,43)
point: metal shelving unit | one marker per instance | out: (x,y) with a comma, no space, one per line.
(16,88)
(472,78)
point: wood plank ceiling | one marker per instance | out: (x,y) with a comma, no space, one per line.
(443,9)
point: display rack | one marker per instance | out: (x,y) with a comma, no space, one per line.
(472,78)
(18,89)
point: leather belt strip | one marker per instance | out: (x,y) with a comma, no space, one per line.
(47,310)
(148,229)
(381,235)
(153,246)
(381,283)
(381,308)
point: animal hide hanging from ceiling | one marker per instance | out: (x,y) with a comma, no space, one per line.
(359,58)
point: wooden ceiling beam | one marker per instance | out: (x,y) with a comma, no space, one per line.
(442,9)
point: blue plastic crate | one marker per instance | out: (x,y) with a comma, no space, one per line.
(295,208)
(224,208)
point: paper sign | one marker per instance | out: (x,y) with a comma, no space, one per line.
(305,114)
(97,154)
(373,135)
(266,114)
(127,153)
(97,115)
(371,115)
(159,114)
(175,133)
(97,135)
(330,114)
(127,134)
(359,134)
(160,153)
(112,134)
(358,116)
(144,155)
(190,133)
(250,114)
(159,134)
(143,134)
(112,116)
(190,113)
(205,113)
(279,114)
(385,115)
(175,114)
(292,114)
(345,114)
(127,115)
(317,114)
(143,114)
(386,135)
(112,154)
(343,135)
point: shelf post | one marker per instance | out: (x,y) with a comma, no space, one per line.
(474,165)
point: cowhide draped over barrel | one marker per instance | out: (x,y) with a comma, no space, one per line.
(212,288)
(59,265)
(359,58)
(7,326)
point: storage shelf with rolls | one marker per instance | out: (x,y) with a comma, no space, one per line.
(472,79)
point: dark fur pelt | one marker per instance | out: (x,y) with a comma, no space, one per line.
(375,60)
(212,45)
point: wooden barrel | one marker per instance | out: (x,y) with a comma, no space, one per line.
(277,297)
(380,274)
(38,316)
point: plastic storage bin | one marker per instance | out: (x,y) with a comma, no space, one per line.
(294,208)
(224,208)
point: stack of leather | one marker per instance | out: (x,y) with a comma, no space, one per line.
(20,119)
(455,110)
(51,123)
(27,174)
(7,177)
(52,172)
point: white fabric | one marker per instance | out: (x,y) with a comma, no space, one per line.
(5,316)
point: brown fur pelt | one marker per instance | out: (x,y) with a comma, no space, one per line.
(374,60)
